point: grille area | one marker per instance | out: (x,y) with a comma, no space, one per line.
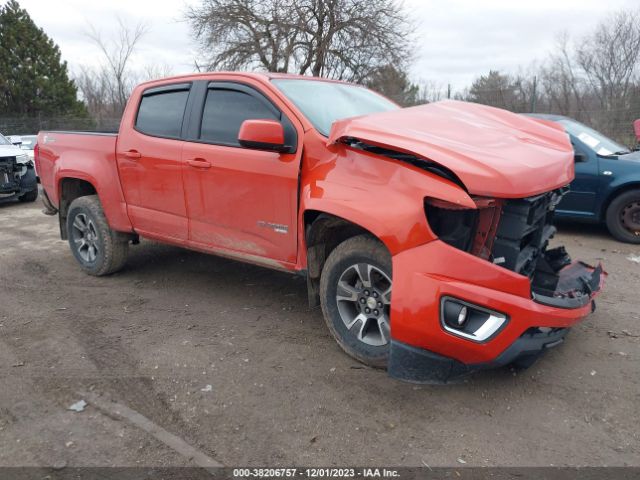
(524,231)
(514,234)
(9,178)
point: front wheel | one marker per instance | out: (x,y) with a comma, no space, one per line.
(98,249)
(355,294)
(623,217)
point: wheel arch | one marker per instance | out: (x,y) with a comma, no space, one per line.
(70,188)
(323,232)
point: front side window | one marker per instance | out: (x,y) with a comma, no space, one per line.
(325,102)
(224,112)
(161,114)
(4,140)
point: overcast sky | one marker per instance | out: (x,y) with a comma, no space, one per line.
(457,39)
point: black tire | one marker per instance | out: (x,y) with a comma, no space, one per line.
(111,249)
(29,196)
(343,261)
(623,217)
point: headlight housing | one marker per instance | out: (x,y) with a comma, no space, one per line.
(467,229)
(22,159)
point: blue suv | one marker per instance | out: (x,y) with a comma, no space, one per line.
(607,184)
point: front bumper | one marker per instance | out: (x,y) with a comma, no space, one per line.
(423,351)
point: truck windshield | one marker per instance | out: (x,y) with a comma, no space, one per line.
(4,141)
(325,102)
(593,139)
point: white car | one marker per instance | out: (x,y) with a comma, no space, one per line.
(17,173)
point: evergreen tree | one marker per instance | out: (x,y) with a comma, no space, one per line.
(394,83)
(33,78)
(501,90)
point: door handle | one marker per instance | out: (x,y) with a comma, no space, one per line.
(199,163)
(132,154)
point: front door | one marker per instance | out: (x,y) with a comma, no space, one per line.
(581,198)
(240,200)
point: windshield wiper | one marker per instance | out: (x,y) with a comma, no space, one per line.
(608,155)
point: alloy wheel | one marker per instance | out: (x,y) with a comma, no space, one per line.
(85,237)
(364,301)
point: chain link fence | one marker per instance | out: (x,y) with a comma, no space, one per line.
(32,125)
(616,124)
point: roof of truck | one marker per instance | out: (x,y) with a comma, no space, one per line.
(255,75)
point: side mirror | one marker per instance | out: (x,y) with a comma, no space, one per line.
(262,135)
(15,140)
(580,157)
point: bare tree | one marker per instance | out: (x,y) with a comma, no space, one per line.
(94,87)
(595,79)
(344,39)
(154,71)
(432,91)
(561,85)
(610,57)
(117,53)
(106,88)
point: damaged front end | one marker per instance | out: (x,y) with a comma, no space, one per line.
(10,174)
(515,234)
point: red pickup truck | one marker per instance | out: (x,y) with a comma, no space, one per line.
(447,205)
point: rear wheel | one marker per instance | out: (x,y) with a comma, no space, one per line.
(623,217)
(98,249)
(355,294)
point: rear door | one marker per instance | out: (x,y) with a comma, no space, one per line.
(239,199)
(149,156)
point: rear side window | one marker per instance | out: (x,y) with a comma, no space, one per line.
(161,114)
(224,112)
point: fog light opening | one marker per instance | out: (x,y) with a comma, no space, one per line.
(470,321)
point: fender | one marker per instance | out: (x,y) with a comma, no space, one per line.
(379,194)
(95,164)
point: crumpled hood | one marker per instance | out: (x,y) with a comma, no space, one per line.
(494,152)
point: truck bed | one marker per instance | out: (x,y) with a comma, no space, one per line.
(86,156)
(78,149)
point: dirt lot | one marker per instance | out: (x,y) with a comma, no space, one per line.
(281,391)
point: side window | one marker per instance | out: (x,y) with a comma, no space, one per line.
(161,114)
(224,112)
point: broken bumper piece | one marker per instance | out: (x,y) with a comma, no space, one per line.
(576,285)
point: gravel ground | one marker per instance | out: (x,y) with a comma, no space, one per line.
(228,358)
